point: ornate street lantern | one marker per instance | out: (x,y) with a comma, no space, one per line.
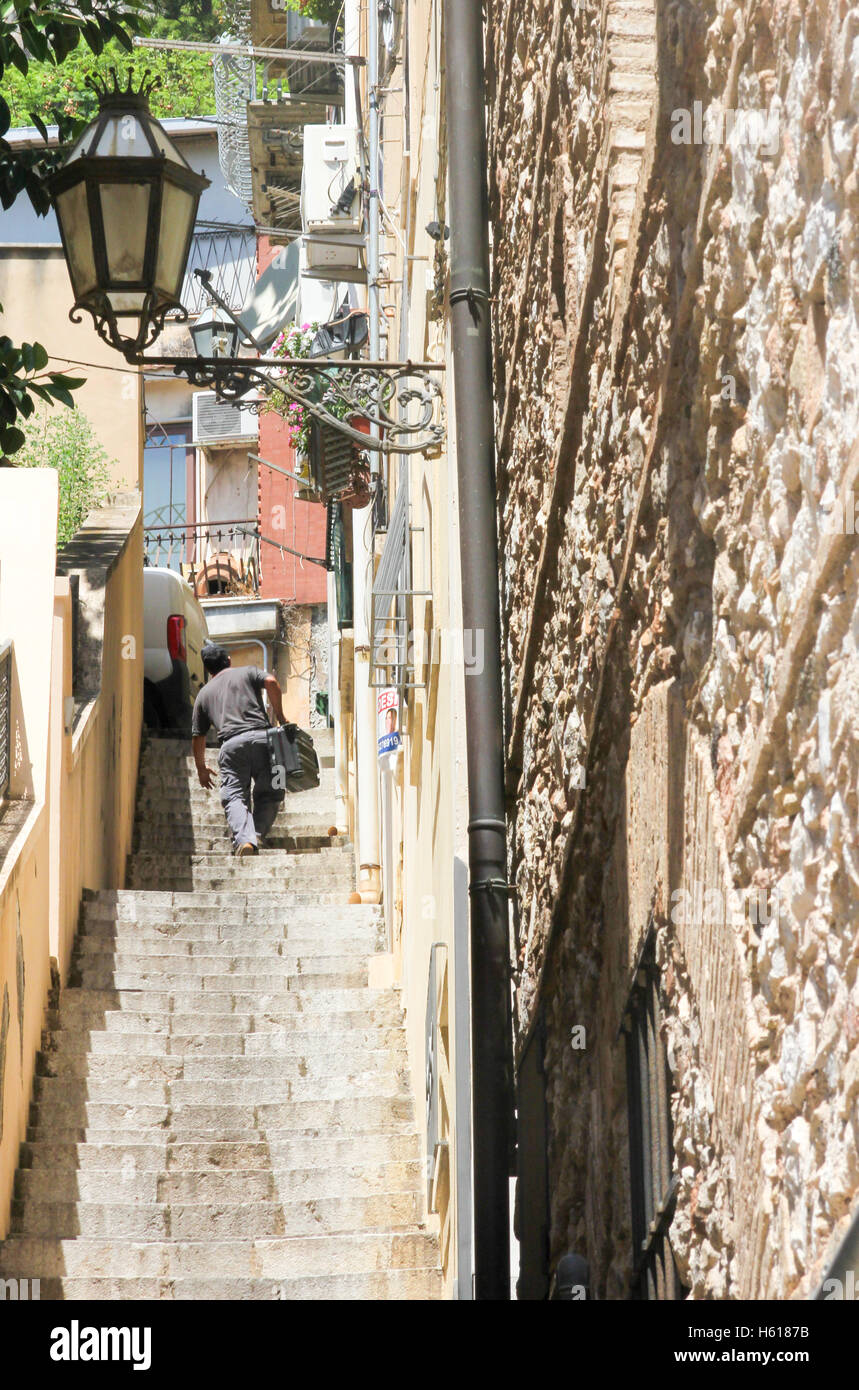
(126,201)
(215,334)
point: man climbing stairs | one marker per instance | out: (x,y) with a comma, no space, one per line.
(222,1107)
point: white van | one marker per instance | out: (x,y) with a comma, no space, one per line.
(174,634)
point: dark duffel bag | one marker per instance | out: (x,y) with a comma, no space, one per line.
(292,757)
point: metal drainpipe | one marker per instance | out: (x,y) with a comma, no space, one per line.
(475,450)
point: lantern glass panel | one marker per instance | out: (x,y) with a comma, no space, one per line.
(125,213)
(124,137)
(74,219)
(178,206)
(81,145)
(127,301)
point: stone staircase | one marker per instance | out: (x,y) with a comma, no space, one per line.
(222,1108)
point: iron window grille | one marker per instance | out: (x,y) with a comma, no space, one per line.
(392,661)
(651,1153)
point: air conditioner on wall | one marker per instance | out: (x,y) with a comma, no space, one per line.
(336,256)
(329,175)
(216,424)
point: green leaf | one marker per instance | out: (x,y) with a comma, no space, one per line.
(40,357)
(11,440)
(71,383)
(61,394)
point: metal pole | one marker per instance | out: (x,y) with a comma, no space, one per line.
(475,449)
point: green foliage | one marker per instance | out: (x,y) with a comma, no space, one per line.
(45,33)
(186,87)
(67,442)
(187,19)
(326,11)
(23,380)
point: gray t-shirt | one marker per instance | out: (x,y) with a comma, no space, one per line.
(231,701)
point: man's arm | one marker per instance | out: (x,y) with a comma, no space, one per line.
(272,690)
(205,775)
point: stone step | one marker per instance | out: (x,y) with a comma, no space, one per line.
(386,1286)
(325,1061)
(85,1120)
(343,1009)
(289,1257)
(61,1094)
(159,785)
(293,1042)
(279,959)
(271,983)
(211,839)
(215,1221)
(183,939)
(154,1186)
(292,871)
(334,890)
(138,944)
(275,860)
(310,1154)
(235,907)
(232,922)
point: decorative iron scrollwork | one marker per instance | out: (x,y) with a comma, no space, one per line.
(403,401)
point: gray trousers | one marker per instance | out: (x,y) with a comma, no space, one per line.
(243,760)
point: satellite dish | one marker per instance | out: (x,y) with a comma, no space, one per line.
(275,297)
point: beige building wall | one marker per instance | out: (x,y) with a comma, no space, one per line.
(427,843)
(36,295)
(28,513)
(75,738)
(95,730)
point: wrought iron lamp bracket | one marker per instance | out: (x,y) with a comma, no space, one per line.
(403,400)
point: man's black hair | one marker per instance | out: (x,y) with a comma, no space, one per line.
(215,658)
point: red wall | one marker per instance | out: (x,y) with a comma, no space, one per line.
(300,525)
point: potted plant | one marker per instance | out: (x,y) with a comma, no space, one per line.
(330,464)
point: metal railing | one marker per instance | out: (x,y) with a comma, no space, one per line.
(216,557)
(5,715)
(227,250)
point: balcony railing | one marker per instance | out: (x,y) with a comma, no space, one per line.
(215,557)
(229,251)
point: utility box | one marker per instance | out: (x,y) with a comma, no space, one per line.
(336,256)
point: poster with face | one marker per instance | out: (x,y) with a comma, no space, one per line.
(388,723)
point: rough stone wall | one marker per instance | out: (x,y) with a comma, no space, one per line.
(677,362)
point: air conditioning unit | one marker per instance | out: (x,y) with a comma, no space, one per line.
(336,256)
(217,424)
(330,180)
